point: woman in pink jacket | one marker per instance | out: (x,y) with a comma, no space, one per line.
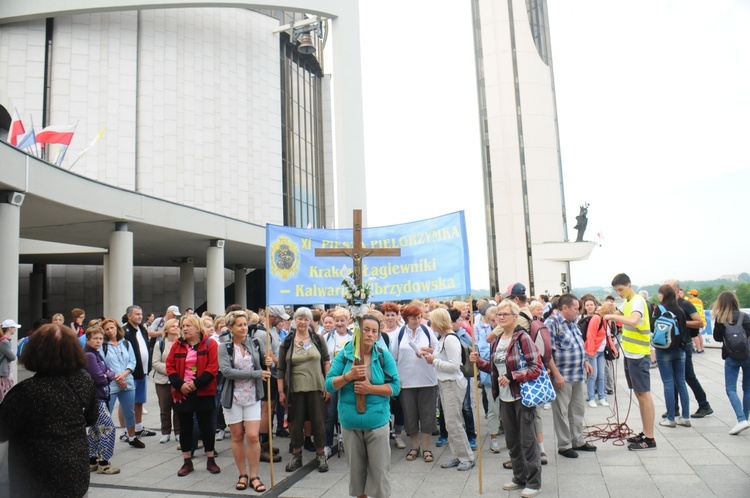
(597,334)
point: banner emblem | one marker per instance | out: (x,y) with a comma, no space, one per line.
(285,258)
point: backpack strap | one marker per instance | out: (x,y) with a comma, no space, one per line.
(427,333)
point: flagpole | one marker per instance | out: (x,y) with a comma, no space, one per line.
(476,393)
(36,146)
(65,150)
(269,398)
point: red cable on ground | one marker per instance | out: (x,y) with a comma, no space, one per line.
(613,428)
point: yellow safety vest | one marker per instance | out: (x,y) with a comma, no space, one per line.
(636,340)
(699,308)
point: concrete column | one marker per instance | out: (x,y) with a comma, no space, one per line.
(120,271)
(240,286)
(349,118)
(105,286)
(215,277)
(10,221)
(36,292)
(187,284)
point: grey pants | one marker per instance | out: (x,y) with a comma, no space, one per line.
(520,437)
(369,456)
(567,414)
(452,398)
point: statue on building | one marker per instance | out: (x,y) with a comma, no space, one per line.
(581,222)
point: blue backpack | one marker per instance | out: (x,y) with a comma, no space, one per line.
(666,332)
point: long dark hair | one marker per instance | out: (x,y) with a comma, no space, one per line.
(668,297)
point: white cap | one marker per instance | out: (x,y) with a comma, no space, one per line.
(10,323)
(175,310)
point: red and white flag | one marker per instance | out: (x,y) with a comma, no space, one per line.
(56,135)
(16,129)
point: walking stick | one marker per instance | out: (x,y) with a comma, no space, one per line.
(269,398)
(476,394)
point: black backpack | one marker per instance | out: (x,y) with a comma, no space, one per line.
(735,339)
(583,325)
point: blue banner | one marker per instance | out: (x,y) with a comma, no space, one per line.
(434,262)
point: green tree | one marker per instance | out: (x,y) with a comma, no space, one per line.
(708,295)
(743,294)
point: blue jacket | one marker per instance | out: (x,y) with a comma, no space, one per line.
(378,407)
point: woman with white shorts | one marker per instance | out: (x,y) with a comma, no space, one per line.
(240,361)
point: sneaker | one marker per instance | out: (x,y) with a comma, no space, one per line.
(144,411)
(164,439)
(473,443)
(667,423)
(636,439)
(646,444)
(309,446)
(107,470)
(603,402)
(543,458)
(676,414)
(702,412)
(530,492)
(683,422)
(145,433)
(322,463)
(220,435)
(282,433)
(266,457)
(654,364)
(465,465)
(547,406)
(400,444)
(610,391)
(495,446)
(137,443)
(294,463)
(93,467)
(124,437)
(741,426)
(327,452)
(177,437)
(510,486)
(441,441)
(592,403)
(453,462)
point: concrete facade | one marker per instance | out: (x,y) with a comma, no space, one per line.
(521,148)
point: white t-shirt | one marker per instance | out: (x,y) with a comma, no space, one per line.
(341,341)
(143,348)
(414,371)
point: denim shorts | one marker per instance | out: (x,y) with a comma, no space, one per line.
(638,374)
(141,388)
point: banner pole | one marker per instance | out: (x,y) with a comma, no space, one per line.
(476,392)
(269,398)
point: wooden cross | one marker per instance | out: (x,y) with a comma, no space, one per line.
(357,253)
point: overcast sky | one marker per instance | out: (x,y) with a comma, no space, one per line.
(654,110)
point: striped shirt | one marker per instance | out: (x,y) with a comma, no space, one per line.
(567,348)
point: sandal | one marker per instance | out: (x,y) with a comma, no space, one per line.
(427,455)
(412,454)
(508,464)
(259,487)
(242,482)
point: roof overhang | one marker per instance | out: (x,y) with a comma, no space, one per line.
(62,207)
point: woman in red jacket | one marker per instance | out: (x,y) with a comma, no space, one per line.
(192,366)
(598,333)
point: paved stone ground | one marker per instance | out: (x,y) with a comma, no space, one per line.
(700,461)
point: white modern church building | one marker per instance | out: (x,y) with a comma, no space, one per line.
(214,125)
(216,122)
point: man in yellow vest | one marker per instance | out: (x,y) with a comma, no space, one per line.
(698,340)
(636,345)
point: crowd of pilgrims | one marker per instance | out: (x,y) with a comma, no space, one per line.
(211,376)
